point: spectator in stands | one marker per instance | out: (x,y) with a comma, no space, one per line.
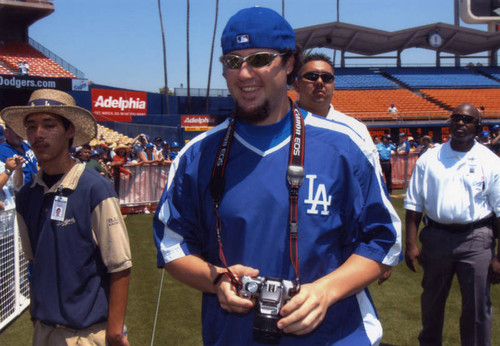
(315,84)
(392,109)
(139,143)
(11,180)
(93,163)
(484,138)
(457,186)
(26,70)
(119,160)
(174,150)
(341,247)
(158,145)
(84,153)
(385,150)
(80,258)
(165,150)
(376,140)
(14,145)
(149,154)
(2,134)
(20,67)
(413,145)
(404,145)
(426,144)
(495,141)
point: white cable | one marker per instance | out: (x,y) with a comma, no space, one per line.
(157,307)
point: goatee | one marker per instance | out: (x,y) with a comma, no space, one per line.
(255,116)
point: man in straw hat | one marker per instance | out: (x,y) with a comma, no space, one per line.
(254,194)
(71,228)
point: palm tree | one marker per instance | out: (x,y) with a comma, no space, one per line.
(164,58)
(212,54)
(187,58)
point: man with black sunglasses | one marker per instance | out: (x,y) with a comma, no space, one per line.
(457,186)
(275,184)
(315,85)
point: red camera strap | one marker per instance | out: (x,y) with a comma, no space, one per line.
(295,176)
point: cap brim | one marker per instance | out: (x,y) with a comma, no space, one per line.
(83,121)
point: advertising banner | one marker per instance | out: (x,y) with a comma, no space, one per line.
(32,83)
(118,105)
(198,122)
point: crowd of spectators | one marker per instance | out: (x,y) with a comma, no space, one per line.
(108,158)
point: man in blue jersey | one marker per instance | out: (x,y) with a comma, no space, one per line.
(14,145)
(239,185)
(71,229)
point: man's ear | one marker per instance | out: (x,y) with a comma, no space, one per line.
(70,132)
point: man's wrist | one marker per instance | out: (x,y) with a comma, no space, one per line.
(8,171)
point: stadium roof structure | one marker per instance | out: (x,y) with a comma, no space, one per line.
(366,41)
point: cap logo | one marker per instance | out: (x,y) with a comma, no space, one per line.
(45,102)
(242,38)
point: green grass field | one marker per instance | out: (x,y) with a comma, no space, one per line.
(397,302)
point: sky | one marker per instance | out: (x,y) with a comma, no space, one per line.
(118,42)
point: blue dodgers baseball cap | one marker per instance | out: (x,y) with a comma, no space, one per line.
(257,27)
(485,134)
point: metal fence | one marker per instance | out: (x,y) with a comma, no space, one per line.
(14,286)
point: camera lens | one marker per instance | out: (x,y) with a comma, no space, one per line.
(265,329)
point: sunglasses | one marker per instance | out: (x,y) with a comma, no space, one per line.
(466,119)
(326,77)
(256,60)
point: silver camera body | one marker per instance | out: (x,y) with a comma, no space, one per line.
(271,294)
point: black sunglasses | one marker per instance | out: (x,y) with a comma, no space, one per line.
(466,119)
(314,76)
(256,60)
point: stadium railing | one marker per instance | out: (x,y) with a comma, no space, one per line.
(14,286)
(141,191)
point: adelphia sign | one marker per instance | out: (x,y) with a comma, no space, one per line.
(118,105)
(198,120)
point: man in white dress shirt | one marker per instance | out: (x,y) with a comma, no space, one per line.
(457,186)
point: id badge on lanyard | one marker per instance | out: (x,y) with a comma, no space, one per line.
(59,208)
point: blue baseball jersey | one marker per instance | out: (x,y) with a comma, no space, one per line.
(342,210)
(30,163)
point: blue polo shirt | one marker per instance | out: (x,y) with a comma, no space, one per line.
(384,151)
(71,261)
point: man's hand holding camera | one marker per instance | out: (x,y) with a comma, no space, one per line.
(227,294)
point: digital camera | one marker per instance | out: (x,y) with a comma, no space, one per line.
(271,294)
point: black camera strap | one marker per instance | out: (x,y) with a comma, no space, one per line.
(294,176)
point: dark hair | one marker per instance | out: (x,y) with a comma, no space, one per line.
(316,56)
(297,53)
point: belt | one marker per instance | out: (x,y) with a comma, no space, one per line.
(389,160)
(460,227)
(55,325)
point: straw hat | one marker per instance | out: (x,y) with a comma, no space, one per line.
(121,146)
(53,102)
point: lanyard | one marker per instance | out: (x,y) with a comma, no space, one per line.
(294,176)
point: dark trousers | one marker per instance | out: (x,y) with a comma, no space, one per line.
(468,255)
(387,170)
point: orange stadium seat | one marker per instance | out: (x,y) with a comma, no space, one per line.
(374,103)
(487,98)
(39,65)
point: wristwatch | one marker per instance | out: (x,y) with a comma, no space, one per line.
(8,171)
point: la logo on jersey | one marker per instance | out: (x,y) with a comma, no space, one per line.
(317,197)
